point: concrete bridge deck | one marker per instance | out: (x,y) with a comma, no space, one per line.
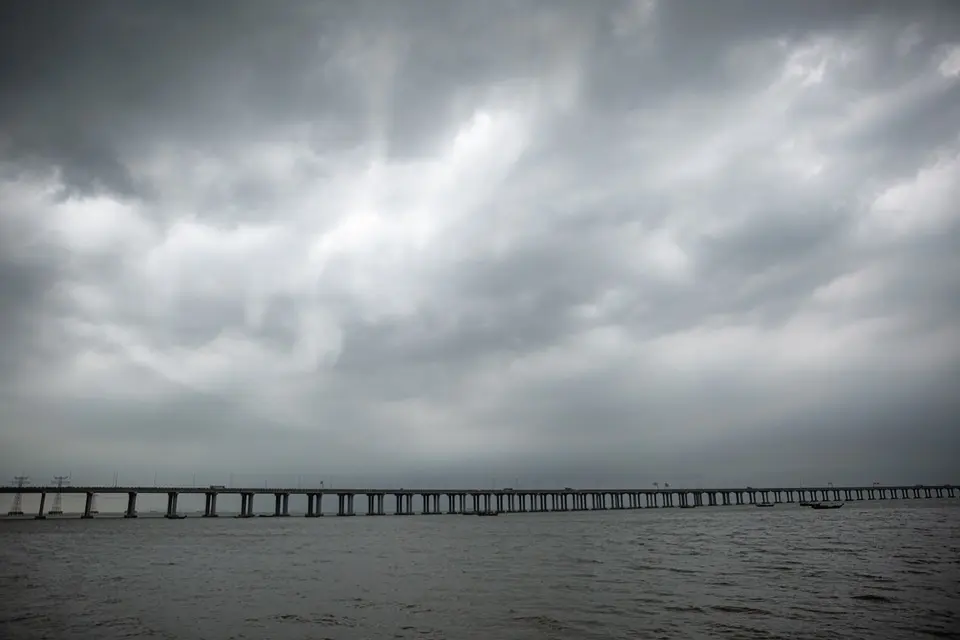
(507,500)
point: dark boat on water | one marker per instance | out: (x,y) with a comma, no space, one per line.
(488,513)
(827,505)
(764,504)
(807,503)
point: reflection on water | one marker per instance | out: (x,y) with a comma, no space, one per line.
(869,570)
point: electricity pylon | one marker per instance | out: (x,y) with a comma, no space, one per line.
(57,509)
(17,508)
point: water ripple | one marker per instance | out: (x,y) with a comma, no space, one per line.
(884,571)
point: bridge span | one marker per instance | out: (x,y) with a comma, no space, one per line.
(467,501)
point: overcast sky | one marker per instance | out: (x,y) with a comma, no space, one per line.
(480,242)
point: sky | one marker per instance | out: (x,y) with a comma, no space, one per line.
(480,244)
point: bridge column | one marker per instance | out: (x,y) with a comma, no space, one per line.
(172,504)
(43,501)
(309,513)
(950,492)
(285,506)
(88,506)
(276,510)
(341,504)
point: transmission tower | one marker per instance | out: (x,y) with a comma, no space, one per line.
(17,508)
(57,509)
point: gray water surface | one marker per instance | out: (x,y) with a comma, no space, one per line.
(869,570)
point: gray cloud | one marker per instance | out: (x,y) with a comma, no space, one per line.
(559,242)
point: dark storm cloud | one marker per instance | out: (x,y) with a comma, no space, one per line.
(428,238)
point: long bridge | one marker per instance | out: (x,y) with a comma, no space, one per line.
(466,501)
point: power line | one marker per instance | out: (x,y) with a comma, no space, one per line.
(17,508)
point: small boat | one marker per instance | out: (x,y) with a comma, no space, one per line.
(488,513)
(827,505)
(764,504)
(688,506)
(807,503)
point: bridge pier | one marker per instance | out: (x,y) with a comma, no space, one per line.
(345,507)
(88,506)
(314,505)
(246,505)
(40,515)
(210,505)
(172,498)
(131,511)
